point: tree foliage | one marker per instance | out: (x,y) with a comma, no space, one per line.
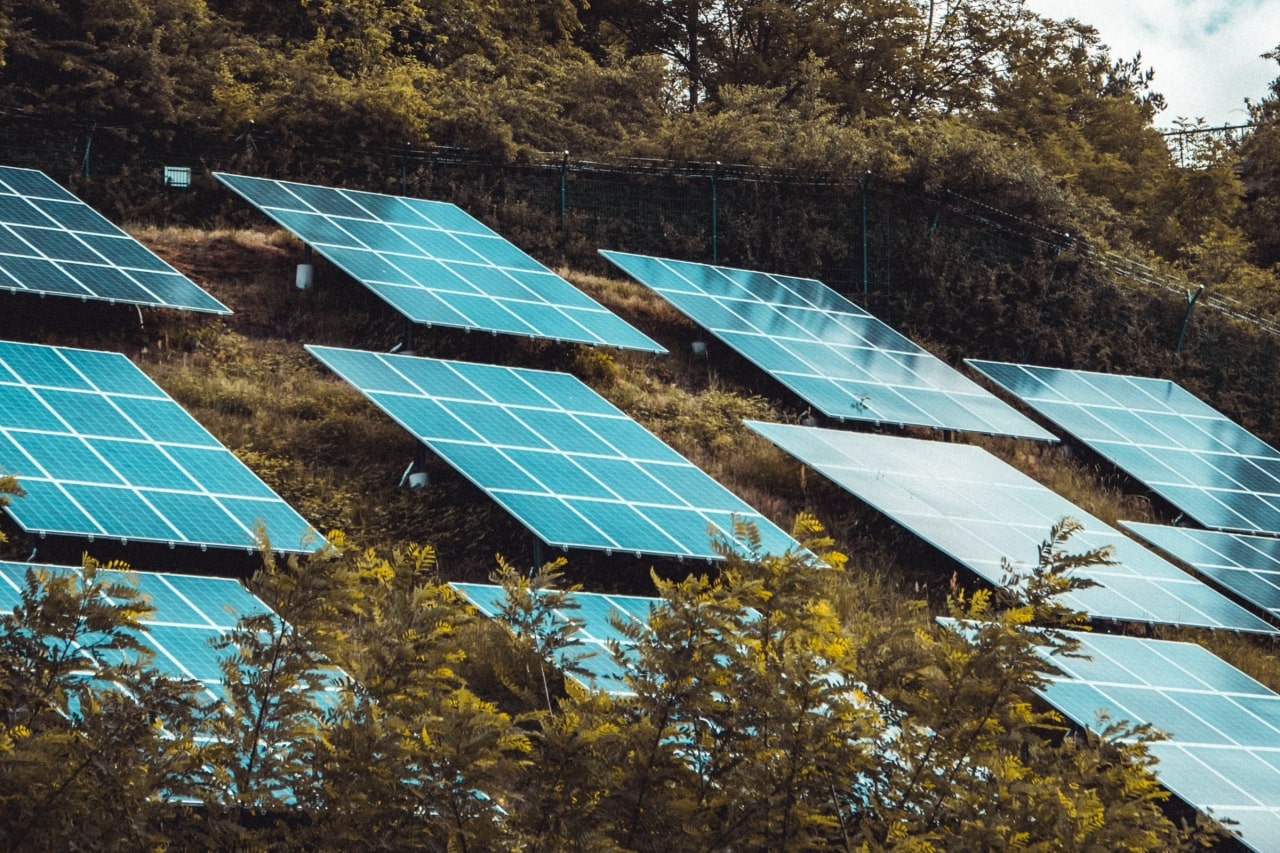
(768,709)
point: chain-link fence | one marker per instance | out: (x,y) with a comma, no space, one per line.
(852,233)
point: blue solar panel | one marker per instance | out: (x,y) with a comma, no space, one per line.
(831,353)
(1249,566)
(569,465)
(437,265)
(595,615)
(977,509)
(1222,750)
(1184,450)
(190,613)
(52,243)
(100,450)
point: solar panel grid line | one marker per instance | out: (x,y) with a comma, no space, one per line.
(436,264)
(103,451)
(828,351)
(1189,454)
(572,467)
(977,510)
(51,243)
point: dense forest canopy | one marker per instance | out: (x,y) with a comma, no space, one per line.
(780,704)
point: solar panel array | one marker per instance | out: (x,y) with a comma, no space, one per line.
(101,450)
(977,509)
(597,616)
(568,464)
(1222,755)
(1206,465)
(52,243)
(436,264)
(1248,566)
(190,612)
(830,352)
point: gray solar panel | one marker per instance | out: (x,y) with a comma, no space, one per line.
(51,243)
(1247,565)
(977,509)
(437,265)
(1222,753)
(595,615)
(1209,467)
(568,464)
(830,352)
(101,450)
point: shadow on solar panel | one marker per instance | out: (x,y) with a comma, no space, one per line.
(436,264)
(53,244)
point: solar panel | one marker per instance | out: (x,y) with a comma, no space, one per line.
(190,611)
(51,243)
(596,615)
(831,353)
(101,450)
(1222,754)
(977,509)
(436,264)
(1207,466)
(568,464)
(1247,565)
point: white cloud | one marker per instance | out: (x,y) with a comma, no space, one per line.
(1206,53)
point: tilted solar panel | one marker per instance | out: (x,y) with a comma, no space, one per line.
(436,264)
(51,243)
(830,352)
(1184,450)
(190,612)
(589,660)
(569,465)
(1247,565)
(1222,750)
(978,509)
(101,450)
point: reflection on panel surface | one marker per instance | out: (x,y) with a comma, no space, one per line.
(831,353)
(979,510)
(1193,456)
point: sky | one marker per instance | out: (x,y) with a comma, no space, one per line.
(1206,53)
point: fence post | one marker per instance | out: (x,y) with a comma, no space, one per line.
(564,191)
(1186,318)
(88,147)
(715,216)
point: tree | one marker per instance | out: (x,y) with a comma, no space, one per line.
(95,745)
(1260,160)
